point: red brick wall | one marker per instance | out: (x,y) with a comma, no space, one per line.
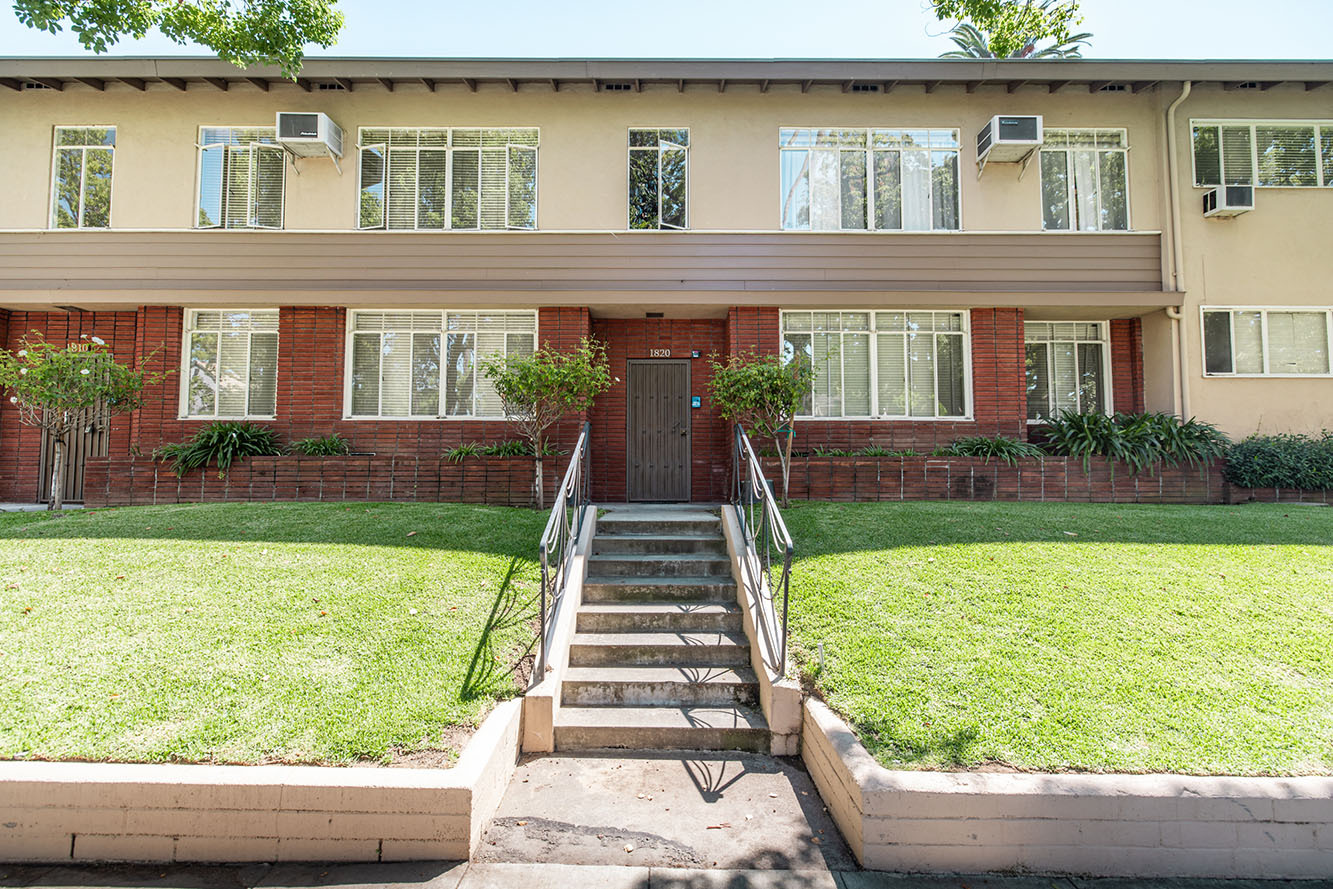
(753,329)
(632,338)
(1127,365)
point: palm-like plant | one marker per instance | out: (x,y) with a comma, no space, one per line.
(973,44)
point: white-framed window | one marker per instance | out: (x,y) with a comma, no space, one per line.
(427,363)
(1068,368)
(81,171)
(659,178)
(242,174)
(448,178)
(1260,341)
(883,364)
(1263,153)
(1084,180)
(857,179)
(231,364)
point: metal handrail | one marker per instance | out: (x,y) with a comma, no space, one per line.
(764,532)
(559,539)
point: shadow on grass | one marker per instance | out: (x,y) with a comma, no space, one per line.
(887,740)
(510,609)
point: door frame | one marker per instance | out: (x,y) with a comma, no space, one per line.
(630,364)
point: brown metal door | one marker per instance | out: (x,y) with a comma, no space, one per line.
(659,430)
(87,439)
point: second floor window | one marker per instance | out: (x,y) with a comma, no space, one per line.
(242,171)
(1276,154)
(659,165)
(1065,367)
(1084,181)
(231,363)
(448,178)
(861,179)
(81,177)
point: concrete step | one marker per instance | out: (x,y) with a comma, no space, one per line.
(664,544)
(627,617)
(659,521)
(654,566)
(658,589)
(706,648)
(661,728)
(659,686)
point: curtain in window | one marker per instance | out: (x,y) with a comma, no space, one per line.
(1065,368)
(1297,343)
(1084,181)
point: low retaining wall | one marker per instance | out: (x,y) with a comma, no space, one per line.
(1050,479)
(501,481)
(1100,825)
(61,812)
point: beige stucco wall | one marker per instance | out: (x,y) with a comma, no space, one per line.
(582,160)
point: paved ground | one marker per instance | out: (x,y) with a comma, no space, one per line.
(704,810)
(461,875)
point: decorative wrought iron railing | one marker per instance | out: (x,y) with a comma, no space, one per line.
(768,544)
(559,539)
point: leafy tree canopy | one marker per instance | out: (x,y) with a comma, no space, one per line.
(243,32)
(1012,29)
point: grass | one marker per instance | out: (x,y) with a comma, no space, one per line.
(256,633)
(1083,637)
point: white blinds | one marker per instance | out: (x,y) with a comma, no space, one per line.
(241,178)
(1065,367)
(1287,342)
(1276,154)
(402,361)
(231,364)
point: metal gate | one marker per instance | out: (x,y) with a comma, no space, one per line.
(87,439)
(658,416)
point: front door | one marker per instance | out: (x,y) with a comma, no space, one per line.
(659,430)
(87,439)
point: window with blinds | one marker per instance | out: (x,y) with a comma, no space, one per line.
(1267,342)
(81,177)
(1084,180)
(1067,366)
(869,179)
(428,364)
(1267,154)
(882,364)
(231,364)
(242,172)
(659,165)
(442,178)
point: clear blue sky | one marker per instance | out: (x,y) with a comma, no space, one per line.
(1235,29)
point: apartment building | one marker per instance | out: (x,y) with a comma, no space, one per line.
(960,247)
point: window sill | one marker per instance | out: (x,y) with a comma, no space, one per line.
(185,418)
(432,419)
(967,419)
(1323,376)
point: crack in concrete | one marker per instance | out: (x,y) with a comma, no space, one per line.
(506,833)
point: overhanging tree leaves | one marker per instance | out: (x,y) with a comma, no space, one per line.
(540,389)
(243,32)
(58,387)
(763,394)
(1012,29)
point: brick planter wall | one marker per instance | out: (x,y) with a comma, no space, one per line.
(501,481)
(1057,479)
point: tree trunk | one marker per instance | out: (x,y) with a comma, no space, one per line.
(785,460)
(57,464)
(537,487)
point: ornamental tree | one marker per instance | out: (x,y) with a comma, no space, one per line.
(1011,29)
(58,387)
(243,32)
(764,393)
(540,389)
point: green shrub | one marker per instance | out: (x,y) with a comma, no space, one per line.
(1010,450)
(333,445)
(878,451)
(1282,461)
(222,443)
(463,451)
(511,448)
(832,452)
(1140,441)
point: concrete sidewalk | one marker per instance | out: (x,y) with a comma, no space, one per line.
(462,875)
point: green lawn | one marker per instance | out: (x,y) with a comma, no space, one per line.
(1073,636)
(253,633)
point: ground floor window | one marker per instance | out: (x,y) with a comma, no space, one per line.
(1067,368)
(896,364)
(1266,342)
(426,364)
(231,364)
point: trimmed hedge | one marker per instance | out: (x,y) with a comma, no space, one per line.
(1282,461)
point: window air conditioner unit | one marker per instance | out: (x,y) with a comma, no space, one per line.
(1228,200)
(1008,139)
(310,134)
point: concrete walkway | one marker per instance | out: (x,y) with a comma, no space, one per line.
(462,875)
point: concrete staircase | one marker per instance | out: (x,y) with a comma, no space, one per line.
(659,659)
